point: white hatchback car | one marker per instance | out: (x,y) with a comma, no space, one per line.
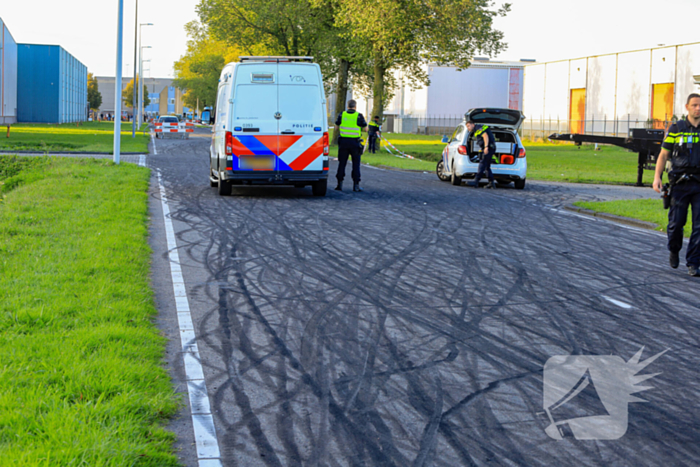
(460,159)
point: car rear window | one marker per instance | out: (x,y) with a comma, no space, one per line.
(168,120)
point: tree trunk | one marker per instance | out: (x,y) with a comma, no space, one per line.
(378,88)
(341,93)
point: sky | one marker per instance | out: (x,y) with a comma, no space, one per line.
(544,30)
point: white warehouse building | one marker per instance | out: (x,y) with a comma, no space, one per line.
(608,94)
(440,107)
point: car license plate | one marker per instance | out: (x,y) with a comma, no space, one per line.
(257,163)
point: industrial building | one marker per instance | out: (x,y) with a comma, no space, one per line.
(51,85)
(442,104)
(8,76)
(165,98)
(608,94)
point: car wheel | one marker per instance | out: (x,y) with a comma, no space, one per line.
(440,171)
(520,184)
(224,188)
(454,179)
(319,188)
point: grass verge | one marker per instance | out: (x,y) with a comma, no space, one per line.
(81,380)
(68,137)
(559,162)
(649,210)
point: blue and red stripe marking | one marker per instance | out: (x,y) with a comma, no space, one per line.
(273,146)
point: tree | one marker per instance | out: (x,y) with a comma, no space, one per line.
(128,95)
(94,97)
(407,34)
(199,69)
(289,28)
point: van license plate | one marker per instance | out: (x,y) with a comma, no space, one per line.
(257,163)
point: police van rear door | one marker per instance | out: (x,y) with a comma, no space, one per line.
(255,118)
(303,117)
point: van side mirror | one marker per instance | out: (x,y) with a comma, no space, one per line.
(445,139)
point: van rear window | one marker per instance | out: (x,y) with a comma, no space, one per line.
(300,102)
(255,102)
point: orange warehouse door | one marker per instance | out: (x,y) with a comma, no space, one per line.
(662,104)
(577,111)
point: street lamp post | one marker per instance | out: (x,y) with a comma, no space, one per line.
(133,103)
(118,85)
(140,110)
(142,97)
(140,103)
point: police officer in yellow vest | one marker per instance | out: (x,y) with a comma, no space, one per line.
(351,124)
(374,133)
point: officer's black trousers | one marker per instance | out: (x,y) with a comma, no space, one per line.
(343,153)
(682,196)
(372,144)
(484,167)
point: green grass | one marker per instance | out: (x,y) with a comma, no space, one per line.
(81,380)
(561,162)
(650,210)
(87,137)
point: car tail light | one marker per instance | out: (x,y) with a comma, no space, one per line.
(229,143)
(325,143)
(522,152)
(462,150)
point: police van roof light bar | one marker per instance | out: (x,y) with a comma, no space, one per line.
(275,58)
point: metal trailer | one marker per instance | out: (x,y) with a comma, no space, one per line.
(8,76)
(646,143)
(51,85)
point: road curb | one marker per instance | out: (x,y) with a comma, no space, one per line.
(611,217)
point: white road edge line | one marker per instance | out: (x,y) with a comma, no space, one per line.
(153,139)
(208,452)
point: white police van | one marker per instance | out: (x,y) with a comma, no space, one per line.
(271,126)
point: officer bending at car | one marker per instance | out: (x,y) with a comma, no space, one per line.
(682,144)
(487,146)
(351,123)
(375,132)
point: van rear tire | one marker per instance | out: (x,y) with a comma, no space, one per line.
(520,184)
(224,188)
(319,188)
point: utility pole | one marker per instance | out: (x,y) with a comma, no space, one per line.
(118,85)
(136,37)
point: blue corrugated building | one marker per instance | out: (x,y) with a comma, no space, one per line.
(51,85)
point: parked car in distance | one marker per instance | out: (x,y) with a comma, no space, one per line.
(460,159)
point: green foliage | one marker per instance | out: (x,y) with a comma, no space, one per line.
(94,96)
(81,381)
(199,69)
(407,34)
(128,95)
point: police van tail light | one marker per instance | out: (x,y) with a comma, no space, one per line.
(325,143)
(229,143)
(462,150)
(522,153)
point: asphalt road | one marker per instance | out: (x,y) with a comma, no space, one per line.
(410,324)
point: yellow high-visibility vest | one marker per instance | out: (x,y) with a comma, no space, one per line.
(348,125)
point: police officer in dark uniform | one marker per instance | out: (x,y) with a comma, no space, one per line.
(487,145)
(682,144)
(375,131)
(351,124)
